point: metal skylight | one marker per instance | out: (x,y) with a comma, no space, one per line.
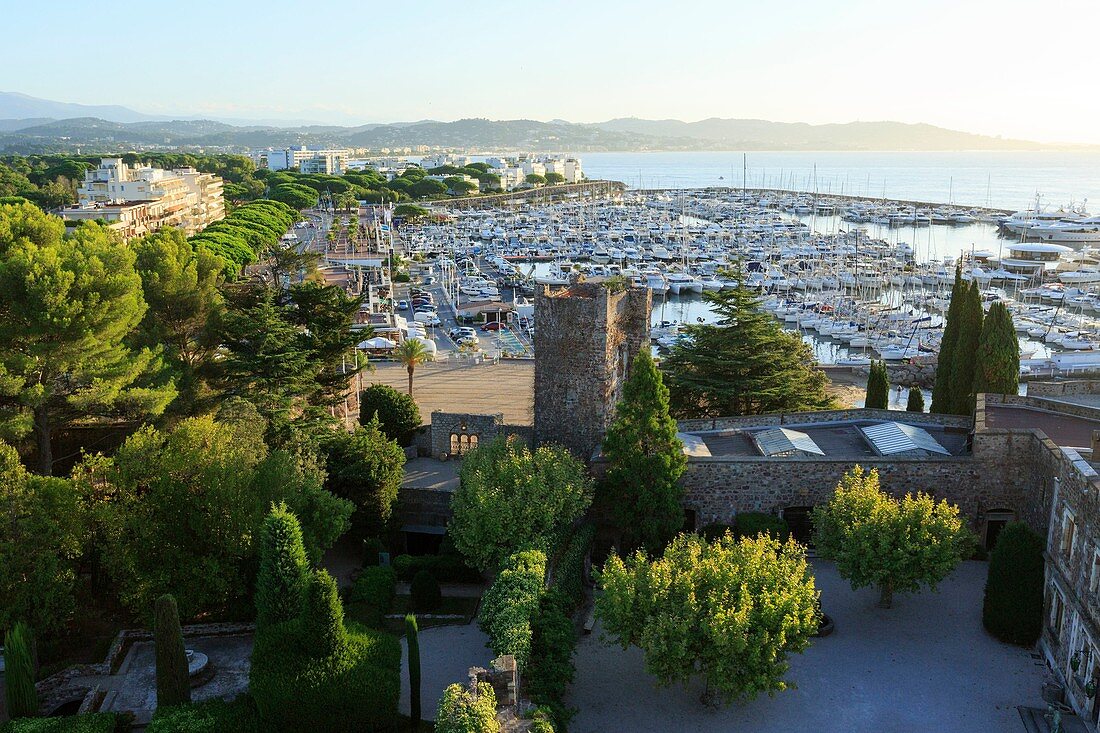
(892,438)
(785,442)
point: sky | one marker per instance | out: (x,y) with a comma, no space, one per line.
(1017,69)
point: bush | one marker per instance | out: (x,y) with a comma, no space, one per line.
(283,568)
(425,592)
(22,697)
(445,568)
(366,467)
(714,531)
(375,589)
(553,638)
(209,716)
(461,712)
(372,550)
(398,414)
(569,570)
(509,604)
(173,680)
(751,524)
(1013,607)
(88,723)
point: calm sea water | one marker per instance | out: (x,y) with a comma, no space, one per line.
(1008,180)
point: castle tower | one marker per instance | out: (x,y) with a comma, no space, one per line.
(585,341)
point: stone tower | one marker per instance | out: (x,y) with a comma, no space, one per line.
(585,341)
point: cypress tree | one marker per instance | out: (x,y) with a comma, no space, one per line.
(998,367)
(22,697)
(916,400)
(966,352)
(323,619)
(412,640)
(1013,606)
(645,460)
(942,398)
(878,386)
(173,681)
(283,568)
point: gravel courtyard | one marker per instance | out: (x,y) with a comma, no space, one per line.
(446,655)
(924,665)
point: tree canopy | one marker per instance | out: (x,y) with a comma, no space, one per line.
(998,360)
(365,467)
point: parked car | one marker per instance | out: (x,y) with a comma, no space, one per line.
(424,308)
(468,341)
(492,326)
(428,317)
(429,280)
(461,331)
(402,305)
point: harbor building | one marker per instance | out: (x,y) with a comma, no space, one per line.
(135,201)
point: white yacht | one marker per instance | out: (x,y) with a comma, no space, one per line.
(681,282)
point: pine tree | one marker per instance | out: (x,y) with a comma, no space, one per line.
(283,568)
(412,640)
(22,697)
(645,460)
(966,352)
(745,364)
(173,681)
(916,400)
(942,392)
(998,367)
(878,387)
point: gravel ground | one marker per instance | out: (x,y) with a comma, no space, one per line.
(446,655)
(924,665)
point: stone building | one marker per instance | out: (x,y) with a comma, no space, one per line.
(586,340)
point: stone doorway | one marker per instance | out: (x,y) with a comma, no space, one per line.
(800,520)
(995,521)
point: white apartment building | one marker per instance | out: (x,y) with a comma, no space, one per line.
(328,161)
(137,200)
(510,177)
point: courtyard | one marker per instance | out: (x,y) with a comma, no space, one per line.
(924,665)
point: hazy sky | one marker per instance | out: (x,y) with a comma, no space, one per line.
(999,67)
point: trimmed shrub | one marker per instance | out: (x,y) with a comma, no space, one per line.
(412,641)
(915,403)
(208,716)
(398,414)
(711,532)
(283,568)
(750,524)
(375,588)
(21,695)
(447,568)
(1013,607)
(510,602)
(87,723)
(462,712)
(542,721)
(569,569)
(173,681)
(424,592)
(553,639)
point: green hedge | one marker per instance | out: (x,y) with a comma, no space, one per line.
(446,568)
(88,723)
(750,524)
(553,639)
(424,592)
(1013,607)
(375,588)
(569,569)
(511,601)
(353,690)
(209,716)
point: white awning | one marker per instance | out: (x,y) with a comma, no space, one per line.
(377,342)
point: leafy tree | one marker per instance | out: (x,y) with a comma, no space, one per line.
(729,610)
(998,360)
(283,568)
(1013,606)
(510,498)
(70,303)
(20,693)
(398,414)
(295,196)
(173,681)
(180,285)
(535,179)
(462,711)
(964,361)
(645,460)
(410,211)
(552,178)
(40,545)
(878,386)
(943,391)
(412,640)
(743,365)
(181,511)
(916,400)
(285,262)
(897,546)
(365,467)
(427,187)
(411,353)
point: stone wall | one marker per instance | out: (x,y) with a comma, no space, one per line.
(1068,387)
(586,340)
(823,416)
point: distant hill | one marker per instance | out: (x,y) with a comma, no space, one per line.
(14,105)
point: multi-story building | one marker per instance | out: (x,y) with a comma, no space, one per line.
(328,161)
(137,200)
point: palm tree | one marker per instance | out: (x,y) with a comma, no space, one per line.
(411,353)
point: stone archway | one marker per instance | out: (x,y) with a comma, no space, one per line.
(995,521)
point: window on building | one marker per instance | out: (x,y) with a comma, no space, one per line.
(1057,615)
(1094,574)
(1069,535)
